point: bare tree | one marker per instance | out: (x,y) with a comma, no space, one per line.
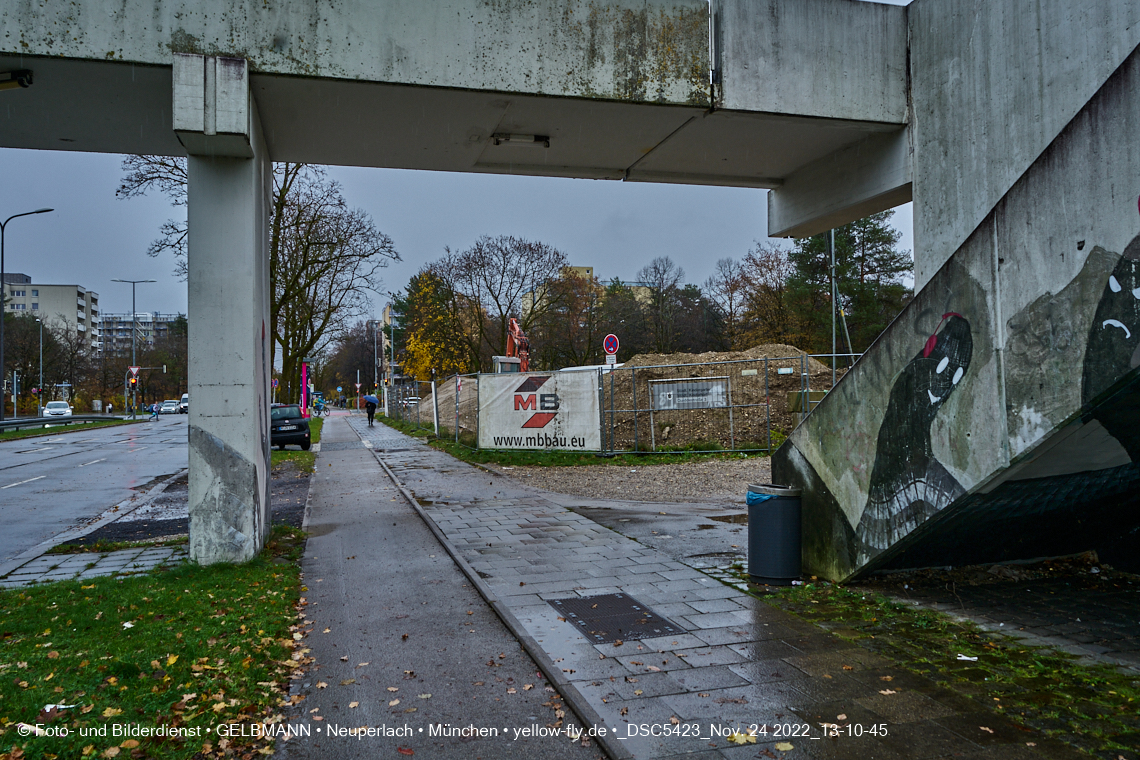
(766,316)
(166,175)
(727,288)
(665,280)
(569,333)
(324,256)
(490,278)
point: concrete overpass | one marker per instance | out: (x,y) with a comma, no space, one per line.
(841,108)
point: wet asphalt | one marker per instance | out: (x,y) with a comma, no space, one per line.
(49,484)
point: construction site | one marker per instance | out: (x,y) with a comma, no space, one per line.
(766,393)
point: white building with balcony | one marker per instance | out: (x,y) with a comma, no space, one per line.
(72,306)
(115,330)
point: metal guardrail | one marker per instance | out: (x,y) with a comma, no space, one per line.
(34,422)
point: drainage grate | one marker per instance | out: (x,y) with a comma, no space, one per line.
(609,617)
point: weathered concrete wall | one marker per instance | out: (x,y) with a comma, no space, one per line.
(826,58)
(993,83)
(1005,397)
(639,50)
(229,341)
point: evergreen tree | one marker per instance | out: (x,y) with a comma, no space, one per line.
(871,274)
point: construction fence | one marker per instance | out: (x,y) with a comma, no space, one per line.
(744,405)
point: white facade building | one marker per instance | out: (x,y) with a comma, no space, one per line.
(73,306)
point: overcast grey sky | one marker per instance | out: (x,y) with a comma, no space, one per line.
(616,227)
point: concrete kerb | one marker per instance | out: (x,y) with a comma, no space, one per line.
(110,515)
(581,708)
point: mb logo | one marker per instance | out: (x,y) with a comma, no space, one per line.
(545,405)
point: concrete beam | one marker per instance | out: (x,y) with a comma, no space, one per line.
(834,59)
(212,105)
(873,175)
(628,50)
(229,348)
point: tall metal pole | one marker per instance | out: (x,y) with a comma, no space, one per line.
(40,395)
(3,300)
(834,298)
(134,331)
(392,360)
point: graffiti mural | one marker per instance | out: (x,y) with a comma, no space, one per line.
(1113,349)
(908,485)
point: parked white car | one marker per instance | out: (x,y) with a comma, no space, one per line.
(57,409)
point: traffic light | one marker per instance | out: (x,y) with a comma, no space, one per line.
(134,382)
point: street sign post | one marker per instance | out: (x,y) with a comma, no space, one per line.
(610,346)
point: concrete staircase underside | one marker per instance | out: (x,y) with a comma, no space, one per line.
(998,417)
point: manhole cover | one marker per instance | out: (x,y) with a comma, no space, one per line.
(609,617)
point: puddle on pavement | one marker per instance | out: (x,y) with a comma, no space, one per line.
(741,519)
(705,527)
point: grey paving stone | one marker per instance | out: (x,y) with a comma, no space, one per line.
(671,643)
(703,657)
(715,605)
(719,619)
(651,662)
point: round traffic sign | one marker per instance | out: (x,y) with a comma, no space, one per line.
(610,344)
(339,389)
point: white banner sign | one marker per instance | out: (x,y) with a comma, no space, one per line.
(558,410)
(698,393)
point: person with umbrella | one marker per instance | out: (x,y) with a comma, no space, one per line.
(370,404)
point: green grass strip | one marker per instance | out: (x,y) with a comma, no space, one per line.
(696,452)
(186,648)
(10,435)
(1092,707)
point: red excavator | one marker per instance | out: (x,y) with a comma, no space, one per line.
(518,345)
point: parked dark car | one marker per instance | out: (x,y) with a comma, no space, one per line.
(288,426)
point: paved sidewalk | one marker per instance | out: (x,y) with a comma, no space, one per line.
(734,664)
(65,567)
(407,655)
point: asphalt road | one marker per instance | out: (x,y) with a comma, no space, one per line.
(50,484)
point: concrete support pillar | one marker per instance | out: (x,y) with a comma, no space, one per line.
(228,313)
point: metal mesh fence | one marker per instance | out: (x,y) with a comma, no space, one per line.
(457,421)
(737,405)
(406,402)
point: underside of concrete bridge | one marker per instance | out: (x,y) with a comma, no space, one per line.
(1011,127)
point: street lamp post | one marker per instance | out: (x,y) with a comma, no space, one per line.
(40,394)
(375,325)
(3,289)
(134,332)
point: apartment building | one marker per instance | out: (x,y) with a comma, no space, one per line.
(115,330)
(73,306)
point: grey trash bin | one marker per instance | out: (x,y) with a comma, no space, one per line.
(773,534)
